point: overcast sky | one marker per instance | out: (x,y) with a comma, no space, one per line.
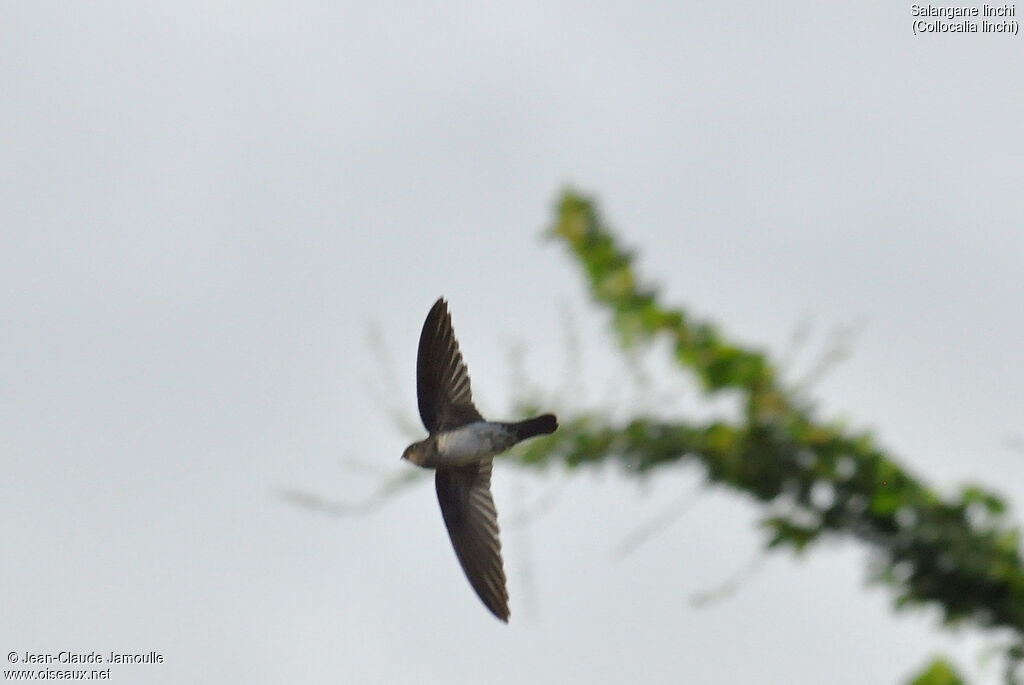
(221,226)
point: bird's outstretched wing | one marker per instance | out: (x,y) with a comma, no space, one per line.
(472,522)
(442,381)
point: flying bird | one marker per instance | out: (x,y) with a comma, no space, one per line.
(460,447)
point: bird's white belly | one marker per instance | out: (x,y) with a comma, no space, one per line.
(473,442)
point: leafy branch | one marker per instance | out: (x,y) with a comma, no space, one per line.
(958,553)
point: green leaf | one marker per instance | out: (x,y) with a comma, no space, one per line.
(938,672)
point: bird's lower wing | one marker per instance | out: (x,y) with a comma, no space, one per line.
(472,521)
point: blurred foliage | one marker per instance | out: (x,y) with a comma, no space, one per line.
(939,672)
(959,554)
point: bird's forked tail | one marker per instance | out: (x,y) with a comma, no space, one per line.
(541,425)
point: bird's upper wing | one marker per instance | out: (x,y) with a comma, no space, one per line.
(472,521)
(442,381)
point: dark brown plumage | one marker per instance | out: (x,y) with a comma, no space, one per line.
(460,448)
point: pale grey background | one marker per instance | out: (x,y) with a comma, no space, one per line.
(204,207)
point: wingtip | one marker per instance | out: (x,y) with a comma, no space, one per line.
(500,612)
(440,306)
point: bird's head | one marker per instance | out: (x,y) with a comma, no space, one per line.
(416,453)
